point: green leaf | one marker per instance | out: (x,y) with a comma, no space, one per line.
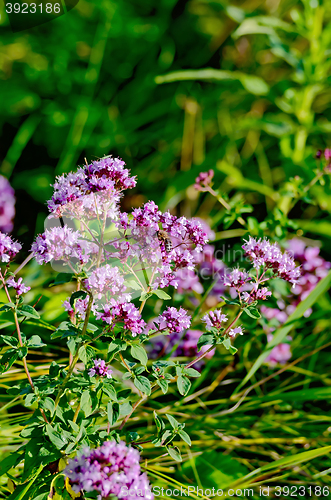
(22,352)
(174,424)
(71,343)
(123,395)
(230,302)
(12,341)
(113,412)
(86,403)
(8,359)
(162,295)
(185,437)
(30,399)
(145,296)
(252,312)
(216,469)
(42,496)
(138,370)
(55,437)
(110,391)
(164,363)
(160,425)
(143,384)
(163,384)
(206,339)
(7,307)
(80,294)
(179,370)
(31,431)
(227,344)
(132,284)
(28,312)
(174,453)
(281,334)
(54,369)
(62,278)
(74,426)
(65,329)
(5,324)
(11,461)
(35,341)
(253,84)
(125,409)
(48,404)
(116,346)
(191,372)
(166,435)
(86,353)
(138,352)
(183,384)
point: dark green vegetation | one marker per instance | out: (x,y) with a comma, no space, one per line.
(175,89)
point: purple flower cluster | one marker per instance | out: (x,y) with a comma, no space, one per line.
(207,266)
(59,243)
(214,319)
(237,279)
(269,255)
(238,330)
(91,197)
(256,293)
(100,369)
(105,279)
(183,231)
(107,174)
(203,180)
(7,205)
(125,312)
(174,320)
(18,285)
(79,309)
(8,247)
(111,469)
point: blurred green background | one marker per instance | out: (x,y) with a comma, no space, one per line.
(172,87)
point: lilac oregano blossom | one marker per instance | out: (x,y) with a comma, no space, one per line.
(113,469)
(100,369)
(7,205)
(268,262)
(119,253)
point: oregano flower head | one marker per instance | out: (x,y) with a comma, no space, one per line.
(111,469)
(8,248)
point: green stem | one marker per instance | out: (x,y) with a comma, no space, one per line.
(75,358)
(29,257)
(17,324)
(223,203)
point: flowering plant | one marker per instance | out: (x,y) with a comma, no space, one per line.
(115,264)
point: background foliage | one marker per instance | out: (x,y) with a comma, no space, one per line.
(175,88)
